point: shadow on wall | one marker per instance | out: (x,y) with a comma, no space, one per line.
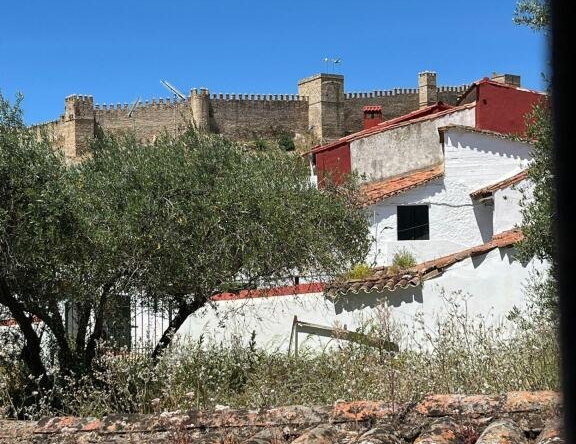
(484,213)
(352,302)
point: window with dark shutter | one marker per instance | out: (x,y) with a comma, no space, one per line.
(413,222)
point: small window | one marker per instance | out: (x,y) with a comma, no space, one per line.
(413,223)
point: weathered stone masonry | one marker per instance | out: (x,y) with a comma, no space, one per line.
(511,418)
(321,112)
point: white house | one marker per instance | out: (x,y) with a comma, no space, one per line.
(450,206)
(443,183)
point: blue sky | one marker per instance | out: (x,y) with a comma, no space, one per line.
(119,50)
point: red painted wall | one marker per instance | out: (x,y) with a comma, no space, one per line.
(334,163)
(502,109)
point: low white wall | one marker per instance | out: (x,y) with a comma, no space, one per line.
(491,284)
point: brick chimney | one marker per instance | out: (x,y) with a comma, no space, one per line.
(372,116)
(507,79)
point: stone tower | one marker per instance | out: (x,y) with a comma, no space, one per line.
(427,92)
(78,128)
(200,105)
(325,94)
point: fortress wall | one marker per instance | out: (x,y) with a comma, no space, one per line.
(451,94)
(253,116)
(148,119)
(54,130)
(394,103)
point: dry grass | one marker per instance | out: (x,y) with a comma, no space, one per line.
(459,355)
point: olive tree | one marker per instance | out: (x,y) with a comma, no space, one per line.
(177,221)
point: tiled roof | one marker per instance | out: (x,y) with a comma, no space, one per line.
(312,287)
(513,417)
(376,191)
(388,279)
(372,108)
(488,190)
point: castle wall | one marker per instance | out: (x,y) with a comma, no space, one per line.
(147,120)
(258,116)
(320,113)
(394,103)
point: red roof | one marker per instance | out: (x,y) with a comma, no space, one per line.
(489,189)
(376,191)
(383,278)
(372,108)
(313,287)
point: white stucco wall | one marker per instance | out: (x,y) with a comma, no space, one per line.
(405,148)
(507,208)
(471,160)
(492,284)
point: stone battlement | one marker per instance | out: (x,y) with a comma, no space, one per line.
(260,97)
(320,112)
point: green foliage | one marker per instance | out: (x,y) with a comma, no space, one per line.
(359,271)
(174,221)
(539,209)
(533,13)
(286,143)
(403,259)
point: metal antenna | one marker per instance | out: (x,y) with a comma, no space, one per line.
(334,62)
(173,90)
(133,106)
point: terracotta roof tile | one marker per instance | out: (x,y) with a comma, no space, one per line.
(505,183)
(386,278)
(376,191)
(372,108)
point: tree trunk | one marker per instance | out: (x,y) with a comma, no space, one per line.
(184,311)
(96,335)
(67,358)
(82,327)
(32,351)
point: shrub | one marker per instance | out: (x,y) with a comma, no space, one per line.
(403,259)
(286,142)
(359,271)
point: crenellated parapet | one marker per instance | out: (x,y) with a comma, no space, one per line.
(321,111)
(260,97)
(380,93)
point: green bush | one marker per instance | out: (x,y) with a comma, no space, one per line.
(286,142)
